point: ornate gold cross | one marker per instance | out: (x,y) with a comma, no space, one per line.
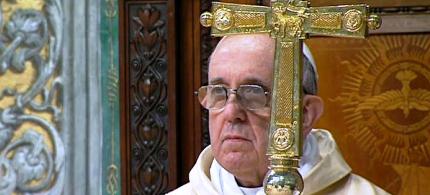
(289,22)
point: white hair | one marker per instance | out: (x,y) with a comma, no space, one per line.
(310,74)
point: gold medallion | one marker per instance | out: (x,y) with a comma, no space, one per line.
(224,19)
(352,20)
(283,139)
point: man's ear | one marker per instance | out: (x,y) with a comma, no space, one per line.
(313,108)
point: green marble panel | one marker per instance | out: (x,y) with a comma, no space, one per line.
(110,97)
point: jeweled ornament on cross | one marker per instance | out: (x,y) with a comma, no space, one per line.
(289,22)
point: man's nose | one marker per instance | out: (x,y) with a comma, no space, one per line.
(234,110)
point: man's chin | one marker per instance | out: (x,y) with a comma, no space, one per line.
(236,146)
(235,160)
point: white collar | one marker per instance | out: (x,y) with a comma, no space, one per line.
(225,183)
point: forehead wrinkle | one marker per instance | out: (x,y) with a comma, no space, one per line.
(246,81)
(256,81)
(216,80)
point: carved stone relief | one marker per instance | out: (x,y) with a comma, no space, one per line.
(32,153)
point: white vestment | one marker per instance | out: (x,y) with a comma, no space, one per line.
(323,169)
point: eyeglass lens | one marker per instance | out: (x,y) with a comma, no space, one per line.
(215,96)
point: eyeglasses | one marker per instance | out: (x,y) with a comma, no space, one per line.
(214,97)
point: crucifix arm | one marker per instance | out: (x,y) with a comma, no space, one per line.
(227,19)
(341,21)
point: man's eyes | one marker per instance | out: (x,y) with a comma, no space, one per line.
(217,90)
(249,90)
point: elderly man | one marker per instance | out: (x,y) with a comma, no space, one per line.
(238,99)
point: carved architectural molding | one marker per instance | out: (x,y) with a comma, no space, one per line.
(401,10)
(372,3)
(413,19)
(83,124)
(149,85)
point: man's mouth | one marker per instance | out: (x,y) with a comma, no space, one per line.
(235,138)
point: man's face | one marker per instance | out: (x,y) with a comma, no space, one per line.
(239,136)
